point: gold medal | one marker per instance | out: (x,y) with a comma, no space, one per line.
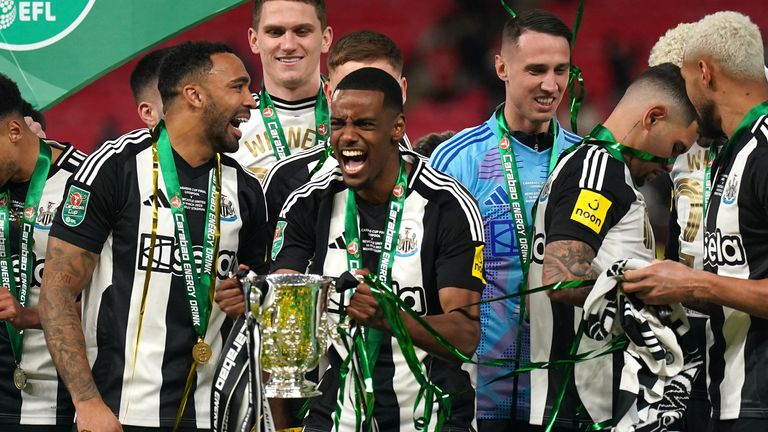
(201,352)
(20,378)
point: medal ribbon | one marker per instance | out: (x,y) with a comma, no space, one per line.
(26,265)
(603,137)
(373,337)
(274,128)
(752,115)
(198,283)
(516,199)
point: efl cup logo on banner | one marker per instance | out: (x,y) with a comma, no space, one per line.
(268,112)
(27,25)
(322,129)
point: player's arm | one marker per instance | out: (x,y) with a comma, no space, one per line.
(68,269)
(459,325)
(567,260)
(12,311)
(666,282)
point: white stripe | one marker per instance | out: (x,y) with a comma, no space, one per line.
(320,183)
(585,167)
(437,180)
(298,156)
(95,160)
(594,168)
(604,164)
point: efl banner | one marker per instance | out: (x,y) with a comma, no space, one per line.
(54,48)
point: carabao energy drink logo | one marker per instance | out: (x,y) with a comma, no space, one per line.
(33,24)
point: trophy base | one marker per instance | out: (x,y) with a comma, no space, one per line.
(290,388)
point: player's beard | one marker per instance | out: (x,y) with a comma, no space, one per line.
(707,125)
(216,129)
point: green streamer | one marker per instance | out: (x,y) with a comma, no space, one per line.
(574,76)
(508,9)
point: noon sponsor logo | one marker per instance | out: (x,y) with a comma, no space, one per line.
(590,210)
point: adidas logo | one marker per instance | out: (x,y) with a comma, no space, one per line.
(498,197)
(339,243)
(162,200)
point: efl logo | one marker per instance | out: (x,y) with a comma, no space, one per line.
(504,144)
(31,25)
(29,212)
(176,202)
(268,112)
(75,199)
(352,248)
(398,191)
(322,129)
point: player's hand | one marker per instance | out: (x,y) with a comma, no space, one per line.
(662,282)
(364,308)
(95,416)
(35,127)
(229,296)
(10,309)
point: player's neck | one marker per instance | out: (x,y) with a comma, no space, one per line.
(189,142)
(304,90)
(381,190)
(30,151)
(516,121)
(733,110)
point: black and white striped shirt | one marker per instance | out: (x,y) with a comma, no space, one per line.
(736,245)
(589,197)
(117,224)
(45,400)
(439,239)
(298,121)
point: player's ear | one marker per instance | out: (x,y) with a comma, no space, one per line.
(398,130)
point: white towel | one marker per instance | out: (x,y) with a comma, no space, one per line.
(659,368)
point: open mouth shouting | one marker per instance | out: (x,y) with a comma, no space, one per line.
(353,160)
(234,124)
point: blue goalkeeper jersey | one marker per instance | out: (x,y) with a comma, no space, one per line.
(472,157)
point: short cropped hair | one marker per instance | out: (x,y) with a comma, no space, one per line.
(535,20)
(365,45)
(145,72)
(427,144)
(671,47)
(375,79)
(11,102)
(666,80)
(732,40)
(319,5)
(27,110)
(183,62)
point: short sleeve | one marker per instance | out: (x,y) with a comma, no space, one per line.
(293,243)
(255,233)
(90,205)
(459,261)
(588,198)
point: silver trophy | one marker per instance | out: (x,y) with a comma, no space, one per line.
(291,312)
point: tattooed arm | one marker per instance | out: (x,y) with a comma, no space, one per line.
(566,260)
(68,269)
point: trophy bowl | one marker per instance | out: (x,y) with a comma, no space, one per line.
(290,309)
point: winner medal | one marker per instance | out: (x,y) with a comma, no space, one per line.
(20,378)
(201,352)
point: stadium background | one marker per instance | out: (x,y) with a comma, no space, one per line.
(448,47)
